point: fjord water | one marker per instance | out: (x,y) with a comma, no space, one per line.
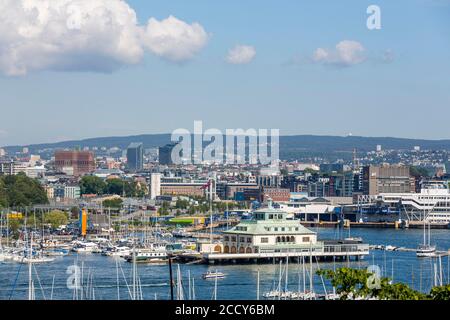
(240,281)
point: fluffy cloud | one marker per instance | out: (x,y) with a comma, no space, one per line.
(241,54)
(94,35)
(174,39)
(346,53)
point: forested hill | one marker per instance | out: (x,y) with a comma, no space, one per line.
(288,144)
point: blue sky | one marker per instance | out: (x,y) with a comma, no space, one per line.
(406,95)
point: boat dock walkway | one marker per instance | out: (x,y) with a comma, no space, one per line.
(331,251)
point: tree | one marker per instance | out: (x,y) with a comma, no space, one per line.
(92,185)
(115,186)
(440,293)
(115,203)
(348,282)
(351,283)
(399,291)
(164,209)
(21,191)
(56,218)
(181,204)
(3,196)
(14,226)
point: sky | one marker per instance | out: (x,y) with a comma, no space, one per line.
(73,69)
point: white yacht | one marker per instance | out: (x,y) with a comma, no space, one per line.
(117,251)
(85,247)
(213,275)
(426,249)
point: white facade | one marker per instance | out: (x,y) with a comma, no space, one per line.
(35,172)
(155,185)
(71,192)
(431,204)
(268,231)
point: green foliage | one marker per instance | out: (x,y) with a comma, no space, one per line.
(56,218)
(399,291)
(96,185)
(3,197)
(440,293)
(182,204)
(113,203)
(348,282)
(92,185)
(129,188)
(356,283)
(21,191)
(164,209)
(14,226)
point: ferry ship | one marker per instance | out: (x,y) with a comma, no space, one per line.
(147,256)
(431,205)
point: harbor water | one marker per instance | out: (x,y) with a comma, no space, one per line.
(109,278)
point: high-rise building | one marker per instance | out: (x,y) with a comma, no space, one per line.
(7,167)
(135,156)
(387,179)
(155,185)
(165,154)
(76,163)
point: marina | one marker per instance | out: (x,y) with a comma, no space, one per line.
(399,262)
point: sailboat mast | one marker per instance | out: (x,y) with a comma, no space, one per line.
(30,276)
(215,287)
(257,286)
(210,213)
(424,231)
(304,273)
(310,268)
(134,273)
(286,281)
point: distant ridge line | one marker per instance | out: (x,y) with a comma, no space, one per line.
(322,143)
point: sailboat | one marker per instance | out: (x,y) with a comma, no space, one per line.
(426,249)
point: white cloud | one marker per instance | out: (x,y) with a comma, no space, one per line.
(346,53)
(241,54)
(174,39)
(87,35)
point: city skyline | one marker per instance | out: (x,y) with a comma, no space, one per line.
(303,68)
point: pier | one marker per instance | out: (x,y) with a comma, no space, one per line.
(332,250)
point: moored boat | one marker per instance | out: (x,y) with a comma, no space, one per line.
(213,275)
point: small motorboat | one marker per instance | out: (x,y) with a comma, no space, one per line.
(424,251)
(213,275)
